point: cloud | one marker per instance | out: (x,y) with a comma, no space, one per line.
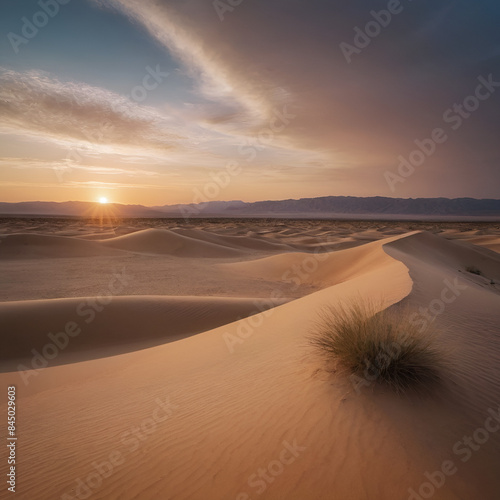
(187,31)
(68,113)
(93,124)
(112,185)
(361,115)
(79,184)
(68,165)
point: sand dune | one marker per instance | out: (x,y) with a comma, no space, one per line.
(455,253)
(87,326)
(466,304)
(491,242)
(35,246)
(162,241)
(233,410)
(241,242)
(246,410)
(148,241)
(322,269)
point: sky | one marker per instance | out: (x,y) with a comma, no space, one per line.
(158,102)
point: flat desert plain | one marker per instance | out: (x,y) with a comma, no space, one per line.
(170,359)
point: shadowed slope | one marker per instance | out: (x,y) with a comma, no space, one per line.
(36,246)
(97,327)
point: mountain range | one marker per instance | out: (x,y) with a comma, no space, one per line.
(328,206)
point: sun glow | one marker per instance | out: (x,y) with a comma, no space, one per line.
(103,212)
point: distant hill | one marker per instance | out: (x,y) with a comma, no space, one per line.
(75,208)
(344,206)
(327,206)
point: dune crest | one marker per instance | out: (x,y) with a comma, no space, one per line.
(166,242)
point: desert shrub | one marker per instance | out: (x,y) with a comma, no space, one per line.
(387,348)
(473,270)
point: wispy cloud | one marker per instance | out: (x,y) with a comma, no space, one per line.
(92,185)
(73,113)
(186,31)
(90,122)
(67,164)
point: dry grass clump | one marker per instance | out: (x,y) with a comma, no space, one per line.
(386,348)
(473,270)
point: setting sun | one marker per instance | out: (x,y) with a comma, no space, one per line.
(103,200)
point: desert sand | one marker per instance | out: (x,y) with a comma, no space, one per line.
(179,363)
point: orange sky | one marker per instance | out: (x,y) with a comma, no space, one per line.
(159,102)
